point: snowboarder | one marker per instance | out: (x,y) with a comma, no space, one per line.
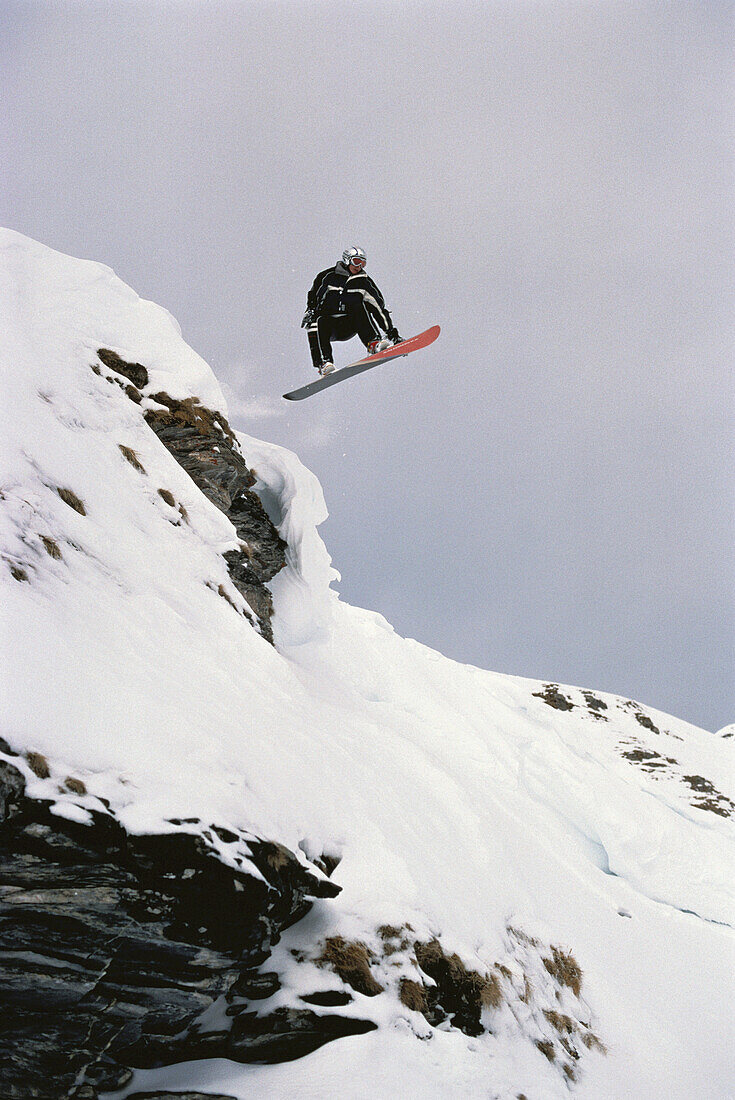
(345,302)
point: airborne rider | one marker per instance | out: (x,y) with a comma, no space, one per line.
(345,302)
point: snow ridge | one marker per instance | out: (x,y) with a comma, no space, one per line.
(294,501)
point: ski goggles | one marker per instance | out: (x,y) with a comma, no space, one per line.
(355,256)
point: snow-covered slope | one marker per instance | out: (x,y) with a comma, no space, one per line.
(519,824)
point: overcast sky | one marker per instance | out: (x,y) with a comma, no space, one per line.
(548,491)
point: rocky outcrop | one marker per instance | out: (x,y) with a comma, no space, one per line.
(114,945)
(698,791)
(203,443)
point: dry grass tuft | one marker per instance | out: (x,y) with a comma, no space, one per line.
(351,961)
(565,1025)
(522,937)
(38,764)
(389,932)
(491,993)
(547,1049)
(461,991)
(135,372)
(413,995)
(72,500)
(51,547)
(593,1043)
(130,456)
(18,573)
(167,497)
(395,939)
(430,957)
(222,591)
(75,786)
(565,969)
(188,413)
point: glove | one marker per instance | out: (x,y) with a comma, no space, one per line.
(309,318)
(392,334)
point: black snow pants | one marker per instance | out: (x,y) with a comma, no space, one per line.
(362,317)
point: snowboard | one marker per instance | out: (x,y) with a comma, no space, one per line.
(415,343)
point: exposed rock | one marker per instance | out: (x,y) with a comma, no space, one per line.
(647,722)
(203,443)
(256,987)
(706,795)
(709,797)
(648,758)
(281,1036)
(327,998)
(289,1033)
(12,787)
(644,719)
(533,981)
(328,863)
(554,698)
(594,705)
(458,991)
(113,945)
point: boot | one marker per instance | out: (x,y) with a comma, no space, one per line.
(380,344)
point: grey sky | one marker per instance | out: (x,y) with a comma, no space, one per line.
(547,491)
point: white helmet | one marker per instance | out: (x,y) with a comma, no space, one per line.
(354,256)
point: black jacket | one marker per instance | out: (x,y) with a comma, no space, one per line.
(330,290)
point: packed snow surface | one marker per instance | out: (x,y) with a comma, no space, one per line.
(459,800)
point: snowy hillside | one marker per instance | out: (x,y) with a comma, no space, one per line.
(536,881)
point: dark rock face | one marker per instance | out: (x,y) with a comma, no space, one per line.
(12,786)
(458,992)
(708,797)
(554,698)
(203,443)
(113,945)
